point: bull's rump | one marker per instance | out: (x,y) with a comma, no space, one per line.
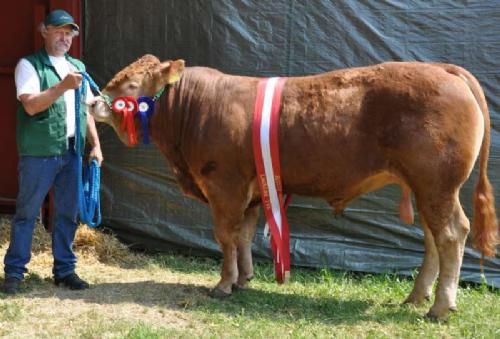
(346,132)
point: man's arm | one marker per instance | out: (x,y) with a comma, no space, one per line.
(39,102)
(93,139)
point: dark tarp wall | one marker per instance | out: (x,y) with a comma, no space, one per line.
(140,198)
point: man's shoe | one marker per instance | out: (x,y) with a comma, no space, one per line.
(72,281)
(11,285)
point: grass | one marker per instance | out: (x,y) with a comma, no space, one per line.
(166,296)
(326,304)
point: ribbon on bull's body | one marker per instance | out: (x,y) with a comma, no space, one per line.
(267,162)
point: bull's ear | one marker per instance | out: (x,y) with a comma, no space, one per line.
(172,70)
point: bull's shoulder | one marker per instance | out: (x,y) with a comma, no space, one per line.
(188,185)
(183,175)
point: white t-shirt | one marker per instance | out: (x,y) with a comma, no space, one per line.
(27,82)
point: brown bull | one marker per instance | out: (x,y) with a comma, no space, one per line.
(342,134)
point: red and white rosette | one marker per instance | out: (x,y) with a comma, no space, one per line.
(128,107)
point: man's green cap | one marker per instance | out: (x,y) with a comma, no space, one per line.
(60,18)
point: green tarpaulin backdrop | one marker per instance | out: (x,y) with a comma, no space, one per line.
(140,198)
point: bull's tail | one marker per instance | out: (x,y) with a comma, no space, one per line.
(485,223)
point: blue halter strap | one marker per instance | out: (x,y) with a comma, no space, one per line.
(88,183)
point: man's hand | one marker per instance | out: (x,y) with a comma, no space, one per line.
(39,102)
(96,153)
(71,81)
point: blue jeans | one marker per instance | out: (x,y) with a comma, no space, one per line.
(36,176)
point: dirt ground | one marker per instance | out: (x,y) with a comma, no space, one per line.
(126,290)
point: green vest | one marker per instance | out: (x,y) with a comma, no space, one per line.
(44,134)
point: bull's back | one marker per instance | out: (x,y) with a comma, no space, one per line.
(341,128)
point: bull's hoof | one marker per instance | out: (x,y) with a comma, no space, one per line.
(243,284)
(434,317)
(239,286)
(218,293)
(431,317)
(416,300)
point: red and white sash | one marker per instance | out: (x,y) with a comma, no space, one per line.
(266,154)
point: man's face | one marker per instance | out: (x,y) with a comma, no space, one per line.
(58,39)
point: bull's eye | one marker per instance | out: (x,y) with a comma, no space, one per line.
(119,105)
(143,107)
(133,86)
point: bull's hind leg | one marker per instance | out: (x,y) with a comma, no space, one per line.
(449,227)
(422,290)
(246,235)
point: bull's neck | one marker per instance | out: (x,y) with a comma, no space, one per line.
(180,109)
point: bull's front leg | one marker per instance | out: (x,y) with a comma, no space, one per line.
(234,232)
(246,235)
(227,237)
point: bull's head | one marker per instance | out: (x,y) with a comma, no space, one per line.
(146,77)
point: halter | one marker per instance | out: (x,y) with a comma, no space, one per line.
(129,106)
(89,181)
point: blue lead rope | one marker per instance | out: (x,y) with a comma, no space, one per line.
(89,183)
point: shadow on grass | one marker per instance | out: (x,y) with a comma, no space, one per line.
(250,303)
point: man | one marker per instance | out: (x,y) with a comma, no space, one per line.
(45,83)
